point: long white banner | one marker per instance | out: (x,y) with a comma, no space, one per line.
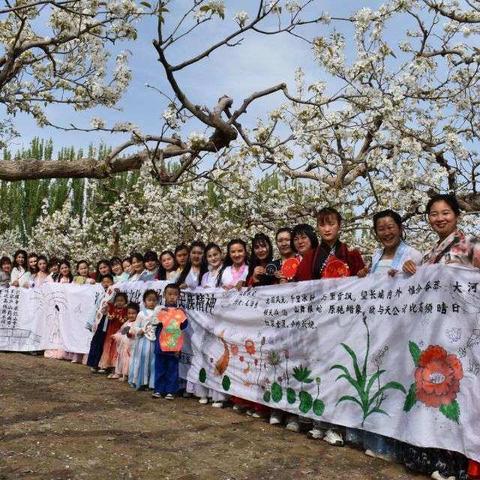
(399,357)
(50,317)
(396,356)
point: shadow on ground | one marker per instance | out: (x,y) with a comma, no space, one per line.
(58,421)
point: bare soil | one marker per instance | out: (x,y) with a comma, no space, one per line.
(59,421)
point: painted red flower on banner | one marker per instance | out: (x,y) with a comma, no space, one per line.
(437,377)
(250,347)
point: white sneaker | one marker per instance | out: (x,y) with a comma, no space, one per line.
(203,400)
(381,456)
(333,438)
(316,433)
(436,475)
(169,396)
(217,404)
(250,412)
(293,426)
(275,418)
(258,415)
(237,408)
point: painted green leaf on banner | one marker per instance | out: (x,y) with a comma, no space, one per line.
(318,407)
(306,401)
(414,351)
(277,392)
(451,411)
(226,383)
(291,396)
(411,398)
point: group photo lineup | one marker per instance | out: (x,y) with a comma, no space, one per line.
(240,240)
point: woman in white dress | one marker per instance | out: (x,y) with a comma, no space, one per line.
(20,275)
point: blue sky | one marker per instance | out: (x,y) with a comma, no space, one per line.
(261,61)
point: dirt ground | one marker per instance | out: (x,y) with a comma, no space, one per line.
(58,421)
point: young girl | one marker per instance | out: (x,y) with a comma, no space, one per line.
(142,364)
(262,255)
(235,268)
(168,266)
(127,266)
(99,328)
(124,341)
(53,266)
(20,275)
(139,274)
(5,272)
(103,268)
(170,324)
(32,262)
(83,276)
(181,257)
(213,255)
(317,265)
(117,269)
(42,274)
(151,263)
(64,272)
(196,266)
(117,315)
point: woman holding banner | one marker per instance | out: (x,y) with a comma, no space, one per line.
(453,248)
(331,259)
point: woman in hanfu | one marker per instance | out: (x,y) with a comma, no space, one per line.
(191,277)
(20,275)
(453,247)
(213,255)
(167,269)
(387,260)
(394,252)
(235,268)
(139,272)
(196,266)
(331,259)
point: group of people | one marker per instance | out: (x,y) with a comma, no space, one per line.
(142,345)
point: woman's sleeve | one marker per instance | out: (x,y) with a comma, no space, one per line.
(416,256)
(475,252)
(14,275)
(355,262)
(304,270)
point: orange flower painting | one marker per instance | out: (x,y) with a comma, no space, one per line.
(437,377)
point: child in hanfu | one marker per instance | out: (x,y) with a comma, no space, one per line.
(170,323)
(124,339)
(142,362)
(100,325)
(117,315)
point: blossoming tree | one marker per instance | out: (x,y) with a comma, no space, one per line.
(394,119)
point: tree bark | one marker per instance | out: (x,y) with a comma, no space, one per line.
(32,169)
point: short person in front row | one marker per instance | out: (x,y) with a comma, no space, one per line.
(170,323)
